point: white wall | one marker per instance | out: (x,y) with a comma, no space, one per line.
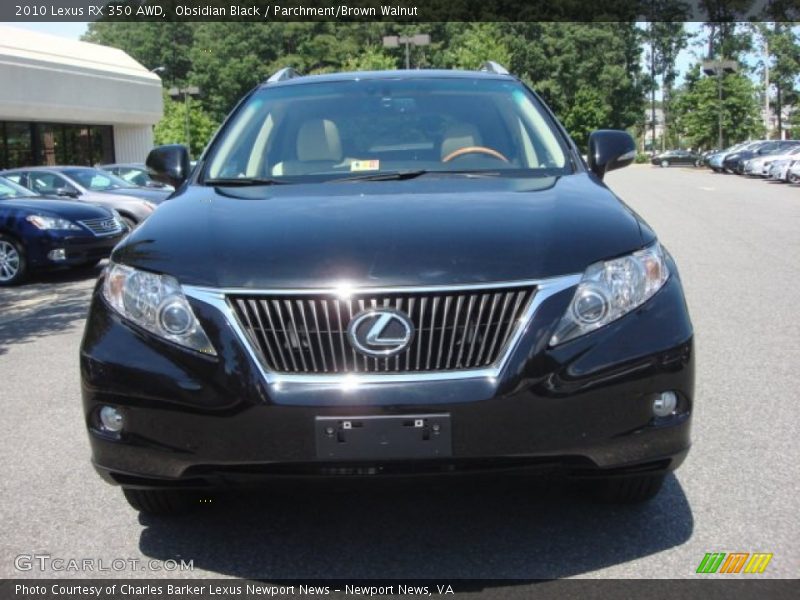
(47,78)
(132,142)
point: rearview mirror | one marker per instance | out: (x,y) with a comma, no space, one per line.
(610,149)
(169,164)
(66,192)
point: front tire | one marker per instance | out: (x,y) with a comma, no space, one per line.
(160,502)
(628,490)
(13,266)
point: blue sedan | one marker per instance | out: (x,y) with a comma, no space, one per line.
(40,233)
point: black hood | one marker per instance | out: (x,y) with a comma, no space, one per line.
(427,231)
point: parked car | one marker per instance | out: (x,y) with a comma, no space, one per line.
(388,272)
(759,165)
(706,156)
(41,233)
(781,166)
(793,172)
(86,184)
(714,161)
(779,170)
(734,162)
(136,174)
(677,157)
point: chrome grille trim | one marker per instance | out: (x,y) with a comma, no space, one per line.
(103,226)
(217,297)
(448,331)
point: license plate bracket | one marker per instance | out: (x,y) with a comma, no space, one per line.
(383,437)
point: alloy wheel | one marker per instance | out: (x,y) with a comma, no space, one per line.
(9,261)
(664,163)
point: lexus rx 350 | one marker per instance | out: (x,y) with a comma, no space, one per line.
(372,274)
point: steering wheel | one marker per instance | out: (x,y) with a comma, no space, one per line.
(474,150)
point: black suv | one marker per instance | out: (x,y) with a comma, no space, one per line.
(384,273)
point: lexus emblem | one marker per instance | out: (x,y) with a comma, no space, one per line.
(380,332)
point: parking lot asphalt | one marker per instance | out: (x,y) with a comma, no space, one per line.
(737,243)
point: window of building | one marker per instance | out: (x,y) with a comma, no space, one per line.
(24,144)
(19,144)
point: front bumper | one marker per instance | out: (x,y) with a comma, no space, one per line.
(78,249)
(583,407)
(734,165)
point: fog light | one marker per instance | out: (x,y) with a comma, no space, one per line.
(111,419)
(665,404)
(57,254)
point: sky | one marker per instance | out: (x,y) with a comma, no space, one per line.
(63,29)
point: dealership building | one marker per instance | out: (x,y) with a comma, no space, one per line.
(70,102)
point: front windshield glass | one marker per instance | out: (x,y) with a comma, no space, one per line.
(345,129)
(96,180)
(9,189)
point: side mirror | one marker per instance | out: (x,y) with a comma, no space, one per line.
(168,164)
(610,149)
(66,192)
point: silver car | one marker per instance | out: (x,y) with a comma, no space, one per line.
(87,184)
(793,174)
(778,167)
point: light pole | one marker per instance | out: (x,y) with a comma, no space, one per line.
(185,92)
(719,67)
(393,41)
(766,86)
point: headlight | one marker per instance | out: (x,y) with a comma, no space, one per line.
(611,289)
(157,304)
(42,222)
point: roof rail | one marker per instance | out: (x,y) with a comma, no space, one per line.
(492,67)
(283,75)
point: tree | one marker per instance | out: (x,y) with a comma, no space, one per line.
(666,39)
(589,111)
(561,61)
(583,70)
(696,109)
(171,129)
(476,44)
(372,58)
(783,62)
(727,38)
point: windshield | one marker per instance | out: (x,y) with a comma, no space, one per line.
(132,175)
(9,189)
(346,129)
(96,180)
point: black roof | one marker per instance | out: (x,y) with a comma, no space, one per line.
(392,74)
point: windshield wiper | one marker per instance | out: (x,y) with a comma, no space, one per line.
(243,181)
(401,175)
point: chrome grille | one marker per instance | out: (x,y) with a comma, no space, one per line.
(103,226)
(454,329)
